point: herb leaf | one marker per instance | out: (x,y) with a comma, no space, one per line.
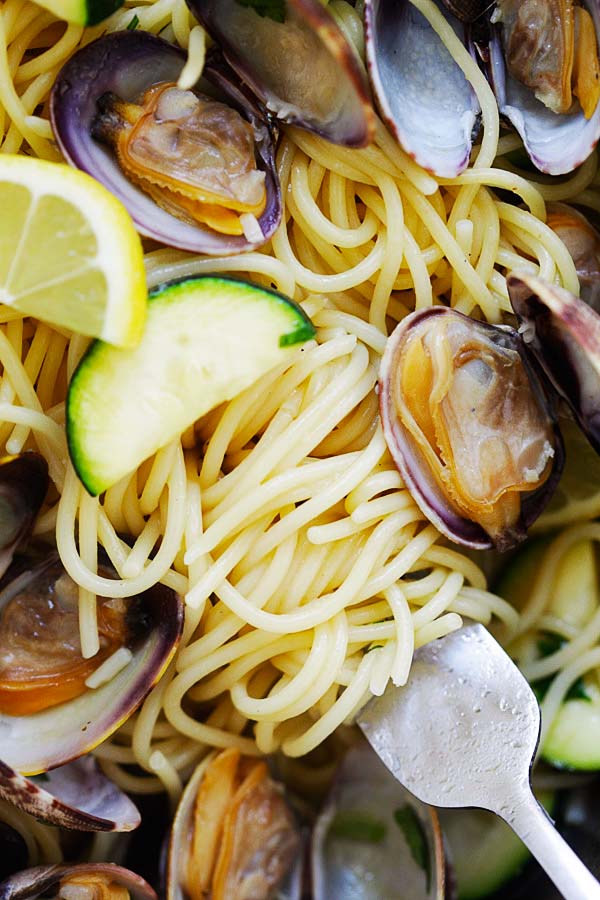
(268,9)
(357,826)
(410,825)
(133,23)
(548,644)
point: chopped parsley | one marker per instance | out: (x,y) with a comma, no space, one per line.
(410,825)
(268,9)
(358,826)
(548,644)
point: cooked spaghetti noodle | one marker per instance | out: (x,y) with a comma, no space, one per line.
(309,574)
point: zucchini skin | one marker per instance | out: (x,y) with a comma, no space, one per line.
(98,10)
(103,387)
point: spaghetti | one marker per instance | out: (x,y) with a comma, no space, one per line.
(309,574)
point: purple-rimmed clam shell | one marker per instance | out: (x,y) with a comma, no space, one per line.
(23,485)
(582,240)
(467,10)
(298,64)
(77,796)
(14,854)
(563,333)
(361,845)
(31,744)
(127,63)
(422,93)
(555,143)
(421,483)
(177,847)
(37,881)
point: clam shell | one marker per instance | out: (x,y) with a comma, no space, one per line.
(563,333)
(421,484)
(322,89)
(23,486)
(77,796)
(467,10)
(13,851)
(35,743)
(37,881)
(179,839)
(348,867)
(582,241)
(126,63)
(421,91)
(556,144)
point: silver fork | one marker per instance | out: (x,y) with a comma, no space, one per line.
(463,732)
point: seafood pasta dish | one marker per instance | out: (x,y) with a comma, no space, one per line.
(299,369)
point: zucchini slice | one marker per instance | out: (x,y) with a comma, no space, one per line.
(573,741)
(206,339)
(485,853)
(81,12)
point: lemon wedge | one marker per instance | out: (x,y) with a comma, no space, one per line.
(69,252)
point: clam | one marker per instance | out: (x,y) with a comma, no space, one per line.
(23,487)
(195,169)
(54,704)
(87,881)
(77,796)
(13,851)
(374,839)
(563,333)
(583,243)
(296,61)
(469,426)
(546,76)
(234,834)
(421,91)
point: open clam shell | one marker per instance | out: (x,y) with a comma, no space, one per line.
(582,241)
(34,743)
(233,834)
(297,62)
(77,795)
(42,880)
(23,486)
(13,851)
(374,839)
(469,426)
(556,143)
(126,64)
(421,91)
(563,333)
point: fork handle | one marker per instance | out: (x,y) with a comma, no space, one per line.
(535,828)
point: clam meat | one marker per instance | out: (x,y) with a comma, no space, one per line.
(194,168)
(234,834)
(545,73)
(54,706)
(468,425)
(191,153)
(583,243)
(550,47)
(86,881)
